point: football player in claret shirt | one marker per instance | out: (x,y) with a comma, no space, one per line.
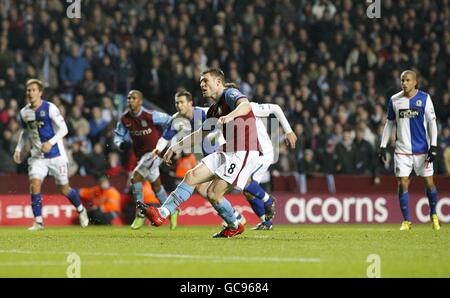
(262,203)
(230,166)
(144,127)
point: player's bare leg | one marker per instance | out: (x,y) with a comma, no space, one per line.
(36,204)
(202,189)
(403,195)
(432,199)
(138,195)
(73,196)
(199,174)
(215,193)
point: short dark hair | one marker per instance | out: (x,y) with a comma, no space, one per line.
(139,93)
(217,72)
(37,82)
(184,93)
(231,85)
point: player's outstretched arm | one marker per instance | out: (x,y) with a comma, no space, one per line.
(261,109)
(160,146)
(243,107)
(168,134)
(186,142)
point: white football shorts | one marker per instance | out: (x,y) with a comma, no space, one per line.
(39,168)
(148,167)
(233,167)
(404,164)
(265,161)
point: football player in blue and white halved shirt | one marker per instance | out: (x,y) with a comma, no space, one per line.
(44,126)
(416,142)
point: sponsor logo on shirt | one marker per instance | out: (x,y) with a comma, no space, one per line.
(408,113)
(35,124)
(140,133)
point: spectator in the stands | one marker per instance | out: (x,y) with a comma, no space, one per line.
(73,67)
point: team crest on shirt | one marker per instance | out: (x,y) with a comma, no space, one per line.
(418,103)
(42,113)
(144,123)
(234,94)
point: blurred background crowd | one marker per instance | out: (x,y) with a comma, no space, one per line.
(330,67)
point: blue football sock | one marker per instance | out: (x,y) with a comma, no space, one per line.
(36,204)
(137,192)
(161,195)
(226,211)
(258,192)
(255,190)
(432,200)
(268,202)
(257,206)
(177,197)
(404,204)
(74,198)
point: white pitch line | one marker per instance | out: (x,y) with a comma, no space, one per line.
(207,258)
(89,263)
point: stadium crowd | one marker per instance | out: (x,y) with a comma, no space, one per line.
(330,67)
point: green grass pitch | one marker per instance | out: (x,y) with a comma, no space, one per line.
(287,251)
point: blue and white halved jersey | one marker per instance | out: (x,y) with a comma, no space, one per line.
(411,116)
(42,125)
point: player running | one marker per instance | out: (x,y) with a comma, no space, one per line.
(415,148)
(44,126)
(145,128)
(230,166)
